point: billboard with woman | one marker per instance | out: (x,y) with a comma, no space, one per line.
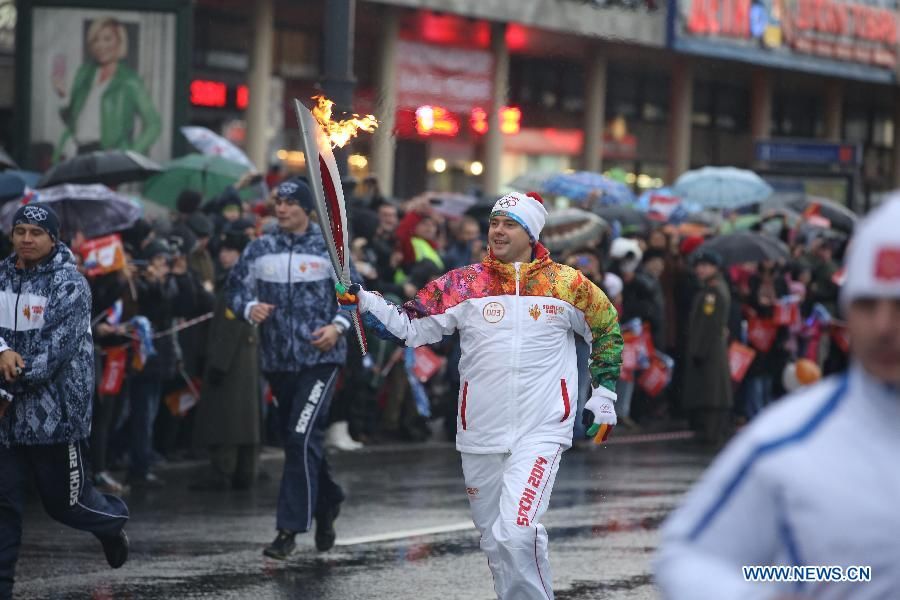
(100,80)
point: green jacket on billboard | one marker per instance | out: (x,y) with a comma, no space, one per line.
(124,98)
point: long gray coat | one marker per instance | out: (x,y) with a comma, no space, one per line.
(707,376)
(228,412)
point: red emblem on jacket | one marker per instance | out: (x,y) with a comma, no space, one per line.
(887,264)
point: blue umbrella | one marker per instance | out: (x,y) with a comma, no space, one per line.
(531,181)
(583,185)
(6,161)
(722,187)
(13,184)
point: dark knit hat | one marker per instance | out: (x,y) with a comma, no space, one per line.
(710,257)
(156,248)
(296,189)
(199,225)
(40,215)
(234,240)
(651,253)
(188,202)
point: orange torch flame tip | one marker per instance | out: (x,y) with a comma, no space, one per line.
(340,132)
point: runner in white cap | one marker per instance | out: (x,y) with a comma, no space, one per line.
(813,481)
(518,313)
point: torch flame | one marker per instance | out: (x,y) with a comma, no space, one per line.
(340,132)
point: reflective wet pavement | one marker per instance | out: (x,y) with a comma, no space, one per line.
(603,521)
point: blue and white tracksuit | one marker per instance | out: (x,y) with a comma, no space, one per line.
(813,481)
(45,315)
(294,273)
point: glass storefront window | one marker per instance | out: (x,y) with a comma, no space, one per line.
(656,98)
(856,124)
(732,108)
(797,115)
(883,130)
(704,104)
(622,93)
(546,83)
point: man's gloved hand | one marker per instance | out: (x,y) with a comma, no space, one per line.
(347,296)
(599,415)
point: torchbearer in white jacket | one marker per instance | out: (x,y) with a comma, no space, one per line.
(813,481)
(517,313)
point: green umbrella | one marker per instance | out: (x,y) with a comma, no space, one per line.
(209,175)
(741,223)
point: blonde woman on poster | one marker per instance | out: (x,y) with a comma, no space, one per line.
(106,97)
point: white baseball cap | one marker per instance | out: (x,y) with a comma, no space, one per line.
(872,262)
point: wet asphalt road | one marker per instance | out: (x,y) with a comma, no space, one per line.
(603,526)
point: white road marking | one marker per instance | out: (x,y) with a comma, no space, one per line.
(646,438)
(403,534)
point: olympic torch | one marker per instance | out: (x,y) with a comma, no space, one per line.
(320,134)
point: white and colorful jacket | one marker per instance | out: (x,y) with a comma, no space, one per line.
(517,325)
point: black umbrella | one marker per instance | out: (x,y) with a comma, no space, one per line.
(110,167)
(6,161)
(841,217)
(630,219)
(746,246)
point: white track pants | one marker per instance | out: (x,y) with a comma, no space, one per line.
(508,494)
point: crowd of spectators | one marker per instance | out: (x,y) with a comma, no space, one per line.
(178,374)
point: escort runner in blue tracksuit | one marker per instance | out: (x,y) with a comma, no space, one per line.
(812,485)
(284,282)
(47,364)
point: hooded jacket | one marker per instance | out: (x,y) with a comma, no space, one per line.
(294,273)
(517,325)
(45,316)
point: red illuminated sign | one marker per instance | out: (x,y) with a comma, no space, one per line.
(510,120)
(243,97)
(436,120)
(479,120)
(208,93)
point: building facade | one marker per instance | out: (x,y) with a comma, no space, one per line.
(472,94)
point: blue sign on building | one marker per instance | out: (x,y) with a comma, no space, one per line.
(814,153)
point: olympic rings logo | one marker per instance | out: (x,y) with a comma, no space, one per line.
(35,213)
(507,202)
(287,188)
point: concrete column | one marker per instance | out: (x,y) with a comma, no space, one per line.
(834,110)
(384,141)
(594,112)
(761,104)
(493,142)
(896,142)
(260,81)
(338,81)
(682,103)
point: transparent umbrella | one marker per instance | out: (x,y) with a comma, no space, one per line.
(94,210)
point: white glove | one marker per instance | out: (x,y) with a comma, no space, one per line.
(600,410)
